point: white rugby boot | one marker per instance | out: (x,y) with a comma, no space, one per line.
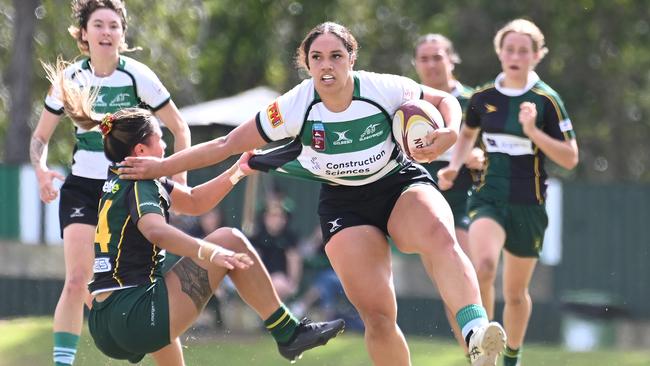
(486,344)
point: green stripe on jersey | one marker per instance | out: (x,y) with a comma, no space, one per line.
(350,136)
(111,99)
(90,141)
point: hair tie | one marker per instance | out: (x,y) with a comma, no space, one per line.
(106,125)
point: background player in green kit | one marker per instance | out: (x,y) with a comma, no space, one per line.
(339,125)
(138,310)
(522,121)
(434,60)
(122,82)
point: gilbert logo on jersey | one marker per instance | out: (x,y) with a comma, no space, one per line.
(273,112)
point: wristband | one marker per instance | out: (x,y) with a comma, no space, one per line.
(199,253)
(236,176)
(214,252)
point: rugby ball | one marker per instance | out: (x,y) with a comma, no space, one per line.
(412,122)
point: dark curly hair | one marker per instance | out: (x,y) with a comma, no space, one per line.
(81,12)
(340,31)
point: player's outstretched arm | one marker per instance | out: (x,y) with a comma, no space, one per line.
(202,198)
(243,138)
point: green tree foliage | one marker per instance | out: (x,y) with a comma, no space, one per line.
(598,60)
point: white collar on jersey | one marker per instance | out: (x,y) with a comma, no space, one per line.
(458,89)
(511,92)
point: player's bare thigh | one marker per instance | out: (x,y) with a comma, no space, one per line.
(420,216)
(360,256)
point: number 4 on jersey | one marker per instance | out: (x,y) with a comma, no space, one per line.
(103,235)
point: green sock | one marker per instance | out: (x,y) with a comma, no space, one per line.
(511,356)
(470,317)
(282,324)
(65,348)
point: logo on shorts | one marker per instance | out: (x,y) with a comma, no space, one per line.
(152,319)
(77,212)
(335,224)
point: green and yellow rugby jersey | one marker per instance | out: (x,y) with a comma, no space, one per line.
(515,166)
(132,84)
(123,256)
(352,147)
(464,180)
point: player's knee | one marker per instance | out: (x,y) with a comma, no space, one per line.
(379,321)
(230,238)
(441,236)
(76,283)
(516,297)
(486,270)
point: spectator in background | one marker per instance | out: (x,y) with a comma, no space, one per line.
(210,221)
(323,287)
(277,246)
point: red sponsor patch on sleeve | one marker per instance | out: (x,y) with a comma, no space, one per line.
(273,112)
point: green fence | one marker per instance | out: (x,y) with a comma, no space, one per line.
(9,181)
(606,246)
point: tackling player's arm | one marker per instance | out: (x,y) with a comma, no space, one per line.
(243,138)
(172,119)
(198,200)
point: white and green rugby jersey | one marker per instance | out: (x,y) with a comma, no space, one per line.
(132,84)
(353,147)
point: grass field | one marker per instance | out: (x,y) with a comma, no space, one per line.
(28,342)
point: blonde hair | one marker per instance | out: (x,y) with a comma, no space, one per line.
(122,130)
(77,101)
(522,26)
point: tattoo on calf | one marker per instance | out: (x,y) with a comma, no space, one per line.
(194,282)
